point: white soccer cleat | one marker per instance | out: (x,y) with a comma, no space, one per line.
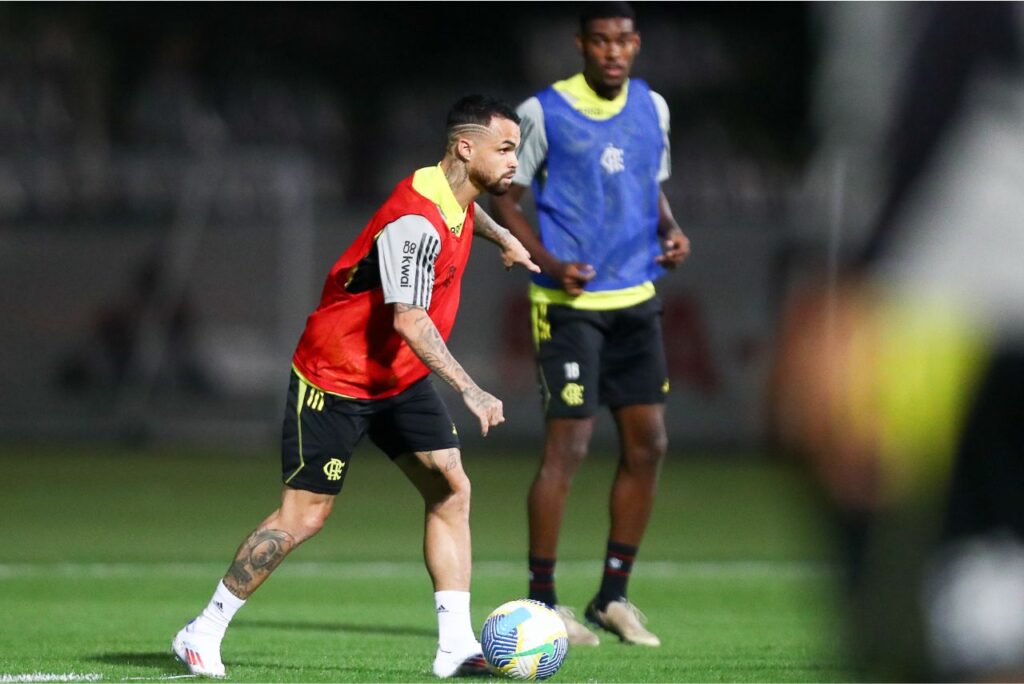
(625,620)
(199,652)
(578,634)
(460,662)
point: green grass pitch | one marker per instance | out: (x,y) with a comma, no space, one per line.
(106,552)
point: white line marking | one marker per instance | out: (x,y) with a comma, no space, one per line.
(374,569)
(50,677)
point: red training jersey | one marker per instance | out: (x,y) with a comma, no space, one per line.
(350,346)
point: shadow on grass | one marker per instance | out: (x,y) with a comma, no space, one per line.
(386,630)
(165,661)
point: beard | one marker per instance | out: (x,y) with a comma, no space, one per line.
(499,186)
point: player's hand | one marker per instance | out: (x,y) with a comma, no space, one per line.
(574,276)
(675,248)
(486,407)
(513,252)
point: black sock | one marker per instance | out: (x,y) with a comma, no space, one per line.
(542,580)
(618,563)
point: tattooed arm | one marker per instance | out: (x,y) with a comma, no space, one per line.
(416,328)
(512,250)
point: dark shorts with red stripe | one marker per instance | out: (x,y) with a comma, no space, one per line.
(321,431)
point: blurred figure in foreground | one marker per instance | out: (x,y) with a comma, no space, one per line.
(904,385)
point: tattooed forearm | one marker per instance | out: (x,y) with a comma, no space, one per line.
(256,559)
(423,337)
(486,227)
(432,350)
(475,394)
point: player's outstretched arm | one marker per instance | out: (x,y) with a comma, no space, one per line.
(512,250)
(509,213)
(420,333)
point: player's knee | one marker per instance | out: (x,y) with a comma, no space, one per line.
(456,500)
(659,446)
(576,450)
(648,454)
(559,472)
(562,460)
(311,521)
(461,494)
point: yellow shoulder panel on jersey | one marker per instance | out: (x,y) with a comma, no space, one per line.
(432,184)
(583,99)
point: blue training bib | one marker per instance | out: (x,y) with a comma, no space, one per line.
(598,201)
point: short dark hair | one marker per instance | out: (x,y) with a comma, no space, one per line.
(479,109)
(605,10)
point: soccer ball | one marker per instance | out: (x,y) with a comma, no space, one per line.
(524,639)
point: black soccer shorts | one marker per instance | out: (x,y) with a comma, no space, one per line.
(587,359)
(321,431)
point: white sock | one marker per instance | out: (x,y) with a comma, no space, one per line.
(454,625)
(218,613)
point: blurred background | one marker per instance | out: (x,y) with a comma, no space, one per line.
(176,180)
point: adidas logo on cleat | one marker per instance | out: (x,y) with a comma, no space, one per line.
(194,658)
(190,647)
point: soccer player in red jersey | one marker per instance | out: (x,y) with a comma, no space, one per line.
(362,367)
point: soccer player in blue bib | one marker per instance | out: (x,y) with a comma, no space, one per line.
(594,151)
